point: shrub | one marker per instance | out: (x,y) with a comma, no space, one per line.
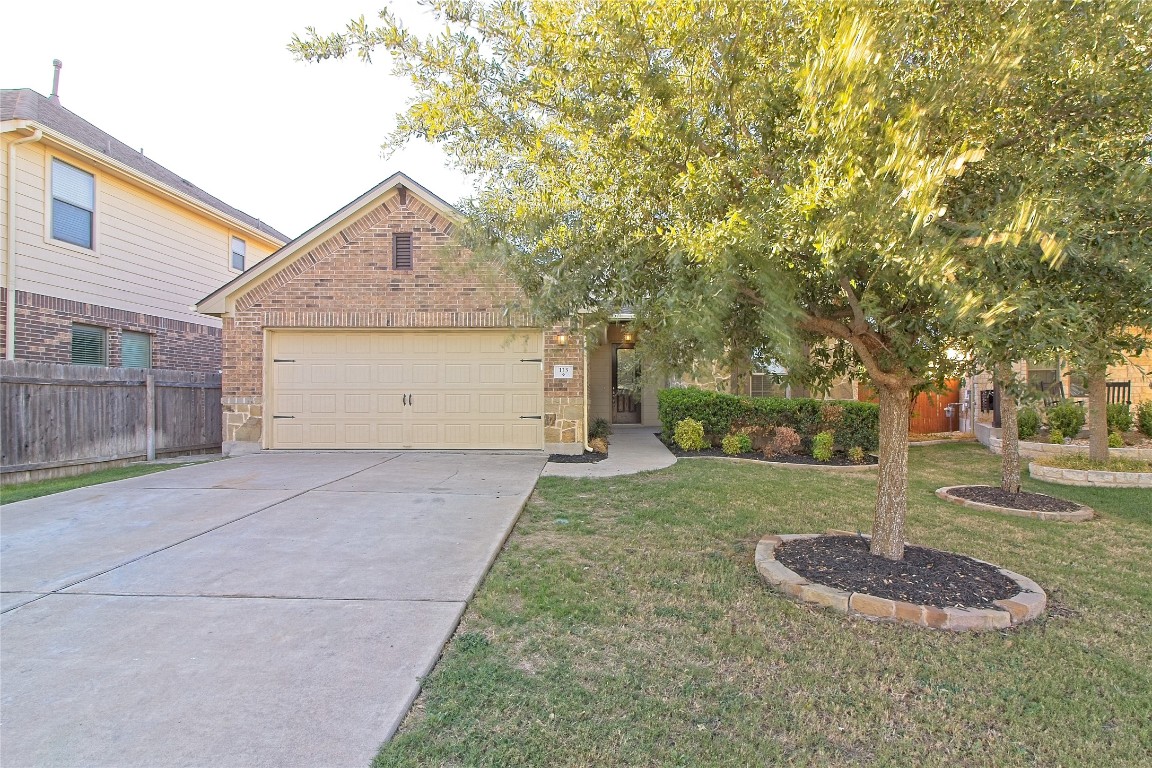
(785,441)
(598,444)
(856,455)
(734,445)
(1119,417)
(1144,418)
(1115,440)
(822,447)
(689,435)
(1067,418)
(1056,436)
(600,429)
(1027,423)
(756,417)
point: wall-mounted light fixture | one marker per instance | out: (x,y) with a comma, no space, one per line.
(561,339)
(629,337)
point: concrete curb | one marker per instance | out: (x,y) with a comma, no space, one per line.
(1076,516)
(1027,604)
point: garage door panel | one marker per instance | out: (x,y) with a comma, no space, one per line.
(406,389)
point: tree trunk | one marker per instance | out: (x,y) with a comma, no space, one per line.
(892,487)
(1010,433)
(1097,413)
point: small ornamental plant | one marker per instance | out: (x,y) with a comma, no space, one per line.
(689,435)
(1119,417)
(1056,437)
(1067,419)
(822,447)
(1027,423)
(785,441)
(856,455)
(1144,417)
(1115,440)
(734,445)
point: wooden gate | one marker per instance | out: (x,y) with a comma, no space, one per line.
(928,409)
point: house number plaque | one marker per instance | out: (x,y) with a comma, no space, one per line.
(561,371)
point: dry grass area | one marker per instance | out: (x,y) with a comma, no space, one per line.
(625,625)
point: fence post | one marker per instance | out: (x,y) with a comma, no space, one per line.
(150,416)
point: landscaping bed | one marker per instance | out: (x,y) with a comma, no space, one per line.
(925,576)
(587,457)
(1024,501)
(839,459)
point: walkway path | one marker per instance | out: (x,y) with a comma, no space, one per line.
(631,449)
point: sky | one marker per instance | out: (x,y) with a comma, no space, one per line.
(209,90)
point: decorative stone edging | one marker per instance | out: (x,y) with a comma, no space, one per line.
(1026,605)
(1075,516)
(1090,477)
(792,465)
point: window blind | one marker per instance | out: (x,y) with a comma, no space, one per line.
(89,345)
(135,350)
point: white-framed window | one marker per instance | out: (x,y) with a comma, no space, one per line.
(73,205)
(135,350)
(239,249)
(89,345)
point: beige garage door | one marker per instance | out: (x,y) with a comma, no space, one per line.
(406,389)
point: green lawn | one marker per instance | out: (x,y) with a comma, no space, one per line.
(625,624)
(22,491)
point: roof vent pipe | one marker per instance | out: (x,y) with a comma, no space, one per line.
(57,65)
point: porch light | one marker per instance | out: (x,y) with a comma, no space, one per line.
(628,337)
(561,339)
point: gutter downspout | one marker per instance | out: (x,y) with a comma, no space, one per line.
(10,247)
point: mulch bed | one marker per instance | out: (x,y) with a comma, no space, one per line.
(838,459)
(998,497)
(925,576)
(588,457)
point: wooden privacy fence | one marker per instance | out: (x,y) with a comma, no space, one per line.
(63,419)
(929,412)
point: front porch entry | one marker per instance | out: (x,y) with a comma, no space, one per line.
(625,384)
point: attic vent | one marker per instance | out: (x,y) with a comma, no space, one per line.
(402,250)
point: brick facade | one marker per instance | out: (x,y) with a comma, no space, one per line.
(348,281)
(44,333)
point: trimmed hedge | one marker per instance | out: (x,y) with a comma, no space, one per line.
(721,413)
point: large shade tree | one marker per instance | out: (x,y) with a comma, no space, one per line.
(771,173)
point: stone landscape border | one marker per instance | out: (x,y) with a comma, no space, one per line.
(792,464)
(1074,516)
(1094,478)
(1024,606)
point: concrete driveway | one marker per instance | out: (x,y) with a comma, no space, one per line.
(278,609)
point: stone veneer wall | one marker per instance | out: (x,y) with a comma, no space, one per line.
(347,281)
(44,333)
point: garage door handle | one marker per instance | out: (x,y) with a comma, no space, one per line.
(278,360)
(531,417)
(531,359)
(283,417)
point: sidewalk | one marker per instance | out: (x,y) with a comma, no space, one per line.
(631,449)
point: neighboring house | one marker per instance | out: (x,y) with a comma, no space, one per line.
(375,330)
(105,250)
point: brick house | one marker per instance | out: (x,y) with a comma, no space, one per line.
(106,250)
(375,330)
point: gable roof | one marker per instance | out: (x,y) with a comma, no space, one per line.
(219,302)
(27,104)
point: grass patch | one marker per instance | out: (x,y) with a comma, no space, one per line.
(625,624)
(22,491)
(1080,461)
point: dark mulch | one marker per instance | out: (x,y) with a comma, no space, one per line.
(588,457)
(838,459)
(1033,502)
(924,577)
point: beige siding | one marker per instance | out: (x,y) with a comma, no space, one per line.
(151,255)
(649,405)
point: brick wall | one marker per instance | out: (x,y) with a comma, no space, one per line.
(348,282)
(44,333)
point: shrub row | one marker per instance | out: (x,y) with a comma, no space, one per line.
(853,424)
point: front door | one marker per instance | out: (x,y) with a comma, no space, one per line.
(625,385)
